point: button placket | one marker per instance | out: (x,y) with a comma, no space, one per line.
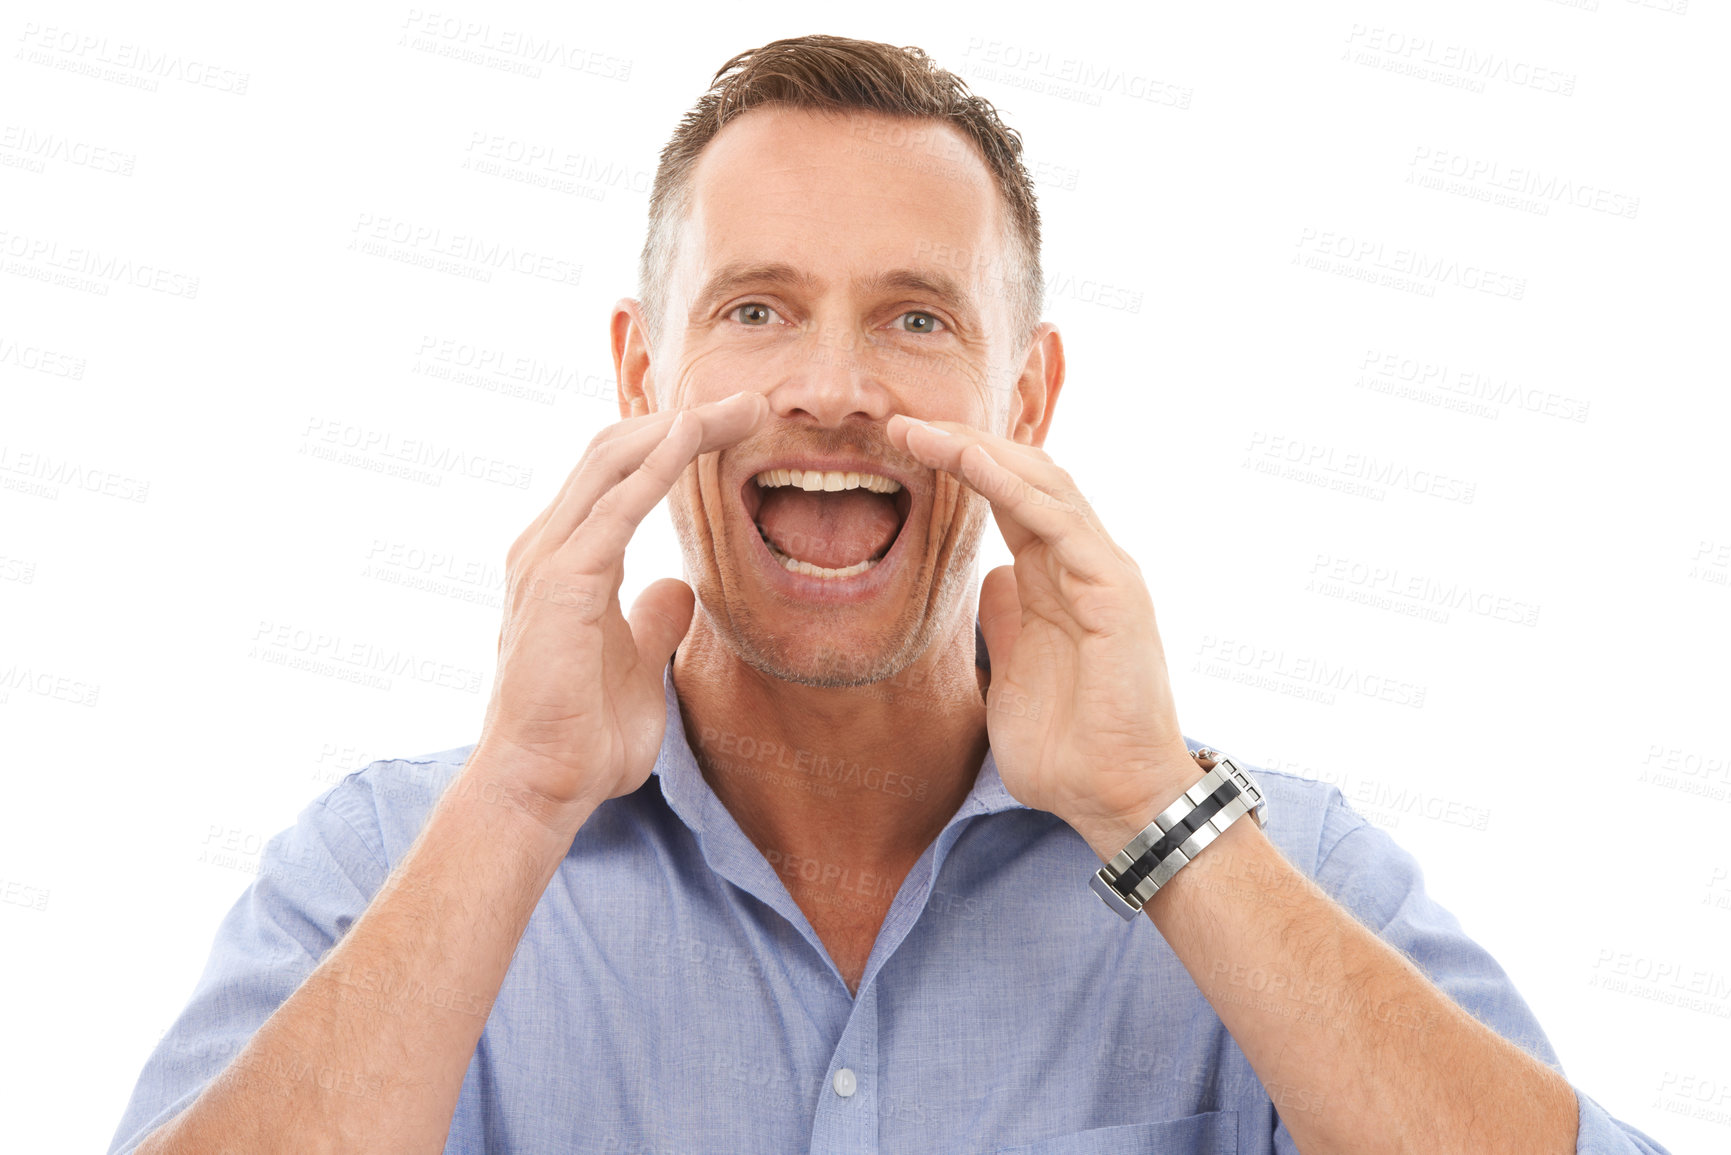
(847,1110)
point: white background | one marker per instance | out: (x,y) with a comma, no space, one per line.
(1564,782)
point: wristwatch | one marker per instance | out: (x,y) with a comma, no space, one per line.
(1199,816)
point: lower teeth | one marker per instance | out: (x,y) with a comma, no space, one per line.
(794,565)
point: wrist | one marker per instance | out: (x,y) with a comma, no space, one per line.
(1114,820)
(494,780)
(1107,835)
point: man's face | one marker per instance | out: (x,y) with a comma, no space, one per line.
(849,268)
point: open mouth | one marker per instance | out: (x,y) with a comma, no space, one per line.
(826,523)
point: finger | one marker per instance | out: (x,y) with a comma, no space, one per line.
(1024,509)
(615,455)
(597,546)
(660,617)
(610,440)
(621,450)
(1025,512)
(941,445)
(1002,448)
(626,441)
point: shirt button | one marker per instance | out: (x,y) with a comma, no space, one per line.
(845,1083)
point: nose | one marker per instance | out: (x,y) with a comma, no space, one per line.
(832,380)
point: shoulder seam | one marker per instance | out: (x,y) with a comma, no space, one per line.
(322,801)
(424,759)
(1337,801)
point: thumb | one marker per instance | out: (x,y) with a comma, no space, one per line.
(659,618)
(1000,615)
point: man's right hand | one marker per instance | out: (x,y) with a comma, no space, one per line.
(578,709)
(576,717)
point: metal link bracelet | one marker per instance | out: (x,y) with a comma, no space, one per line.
(1179,833)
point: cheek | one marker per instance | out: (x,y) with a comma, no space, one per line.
(712,375)
(958,520)
(682,505)
(950,508)
(973,511)
(699,492)
(946,495)
(694,505)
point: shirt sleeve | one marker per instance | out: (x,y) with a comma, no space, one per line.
(1366,871)
(314,880)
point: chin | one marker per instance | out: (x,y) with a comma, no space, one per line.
(826,647)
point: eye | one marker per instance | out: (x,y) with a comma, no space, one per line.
(920,322)
(753,313)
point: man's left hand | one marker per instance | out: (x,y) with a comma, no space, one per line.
(1079,710)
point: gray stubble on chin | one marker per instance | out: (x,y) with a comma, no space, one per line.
(832,667)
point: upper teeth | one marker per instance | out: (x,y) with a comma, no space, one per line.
(830,479)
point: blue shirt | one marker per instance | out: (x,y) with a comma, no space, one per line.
(670,998)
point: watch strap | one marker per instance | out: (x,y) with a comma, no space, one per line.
(1179,833)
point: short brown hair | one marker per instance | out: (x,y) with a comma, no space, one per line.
(837,74)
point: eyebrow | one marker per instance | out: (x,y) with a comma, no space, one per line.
(941,286)
(741,274)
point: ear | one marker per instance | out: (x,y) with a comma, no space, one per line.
(1034,394)
(631,366)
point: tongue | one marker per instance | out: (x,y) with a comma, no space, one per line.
(832,530)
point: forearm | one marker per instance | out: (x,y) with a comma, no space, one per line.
(1321,1005)
(370,1051)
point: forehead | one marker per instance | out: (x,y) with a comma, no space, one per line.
(843,193)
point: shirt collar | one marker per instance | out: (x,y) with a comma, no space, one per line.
(690,795)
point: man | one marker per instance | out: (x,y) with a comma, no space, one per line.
(798,856)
